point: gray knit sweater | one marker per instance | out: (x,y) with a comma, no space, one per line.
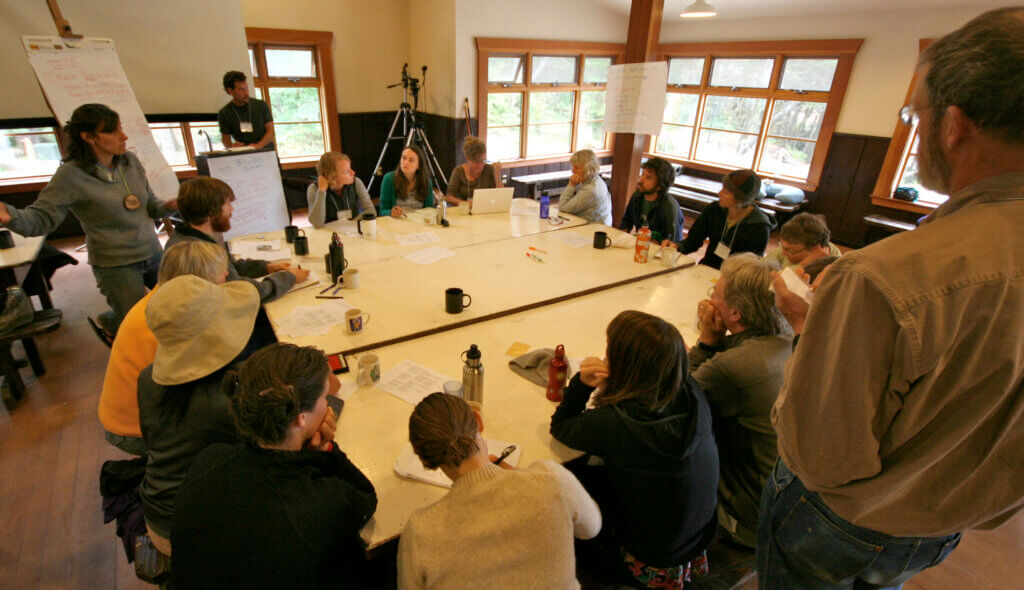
(114,235)
(498,528)
(589,199)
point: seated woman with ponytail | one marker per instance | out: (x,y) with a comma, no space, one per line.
(496,528)
(284,509)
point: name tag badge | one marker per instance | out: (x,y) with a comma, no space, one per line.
(246,127)
(722,251)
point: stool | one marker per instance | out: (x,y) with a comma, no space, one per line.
(13,388)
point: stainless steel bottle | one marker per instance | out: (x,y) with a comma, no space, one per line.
(473,376)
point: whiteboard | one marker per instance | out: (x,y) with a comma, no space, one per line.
(88,71)
(635,99)
(255,177)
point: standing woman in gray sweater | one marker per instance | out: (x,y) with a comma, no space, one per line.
(106,187)
(587,195)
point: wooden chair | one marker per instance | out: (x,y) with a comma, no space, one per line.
(13,388)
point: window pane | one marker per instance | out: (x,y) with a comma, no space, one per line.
(299,139)
(171,142)
(505,109)
(675,140)
(290,63)
(595,70)
(505,69)
(503,142)
(548,139)
(28,152)
(734,114)
(199,141)
(681,108)
(252,63)
(791,118)
(550,107)
(549,69)
(295,104)
(256,92)
(742,72)
(723,147)
(685,70)
(910,173)
(911,179)
(808,74)
(591,135)
(591,105)
(789,157)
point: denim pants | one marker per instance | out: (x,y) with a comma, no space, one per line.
(123,286)
(801,543)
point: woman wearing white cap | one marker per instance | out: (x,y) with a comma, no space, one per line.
(202,330)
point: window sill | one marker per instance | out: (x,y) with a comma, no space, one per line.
(913,207)
(539,160)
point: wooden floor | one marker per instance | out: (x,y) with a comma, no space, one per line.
(51,449)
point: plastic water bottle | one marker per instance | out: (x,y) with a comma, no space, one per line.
(545,204)
(643,244)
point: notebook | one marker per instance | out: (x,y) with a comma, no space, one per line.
(408,464)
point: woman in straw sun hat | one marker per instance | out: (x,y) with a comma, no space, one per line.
(201,330)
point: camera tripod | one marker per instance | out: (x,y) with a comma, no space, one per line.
(412,131)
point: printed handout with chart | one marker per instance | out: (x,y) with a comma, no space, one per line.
(412,382)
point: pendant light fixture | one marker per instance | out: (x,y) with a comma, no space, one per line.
(699,9)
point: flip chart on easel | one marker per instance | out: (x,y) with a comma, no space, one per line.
(73,73)
(255,178)
(635,100)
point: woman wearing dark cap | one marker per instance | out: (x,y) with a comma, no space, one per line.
(733,224)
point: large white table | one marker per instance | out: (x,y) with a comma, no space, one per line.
(406,300)
(373,427)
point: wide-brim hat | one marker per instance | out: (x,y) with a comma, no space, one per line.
(199,327)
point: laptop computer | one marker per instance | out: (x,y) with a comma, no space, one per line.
(491,200)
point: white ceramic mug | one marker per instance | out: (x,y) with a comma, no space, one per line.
(356,320)
(369,370)
(368,228)
(453,388)
(350,278)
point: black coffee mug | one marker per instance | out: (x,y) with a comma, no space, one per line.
(601,240)
(290,231)
(6,239)
(455,300)
(301,245)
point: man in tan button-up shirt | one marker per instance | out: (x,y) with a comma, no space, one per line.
(901,420)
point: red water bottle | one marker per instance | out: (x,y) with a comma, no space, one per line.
(557,370)
(643,244)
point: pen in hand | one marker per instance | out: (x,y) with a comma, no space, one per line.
(504,454)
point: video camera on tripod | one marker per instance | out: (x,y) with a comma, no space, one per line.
(412,128)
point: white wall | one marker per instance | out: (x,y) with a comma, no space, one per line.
(432,44)
(566,20)
(883,67)
(371,42)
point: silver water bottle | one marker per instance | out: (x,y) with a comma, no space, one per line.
(472,376)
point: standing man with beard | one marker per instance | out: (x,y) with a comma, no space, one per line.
(245,120)
(901,420)
(651,203)
(205,206)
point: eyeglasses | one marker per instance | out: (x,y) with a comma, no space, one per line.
(793,252)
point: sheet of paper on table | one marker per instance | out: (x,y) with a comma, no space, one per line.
(409,465)
(343,226)
(573,239)
(430,255)
(310,320)
(269,250)
(427,237)
(412,382)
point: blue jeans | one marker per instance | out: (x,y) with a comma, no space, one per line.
(123,286)
(801,543)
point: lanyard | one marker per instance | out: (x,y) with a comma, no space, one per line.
(249,104)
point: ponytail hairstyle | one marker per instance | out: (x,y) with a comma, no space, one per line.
(646,361)
(272,387)
(88,118)
(443,431)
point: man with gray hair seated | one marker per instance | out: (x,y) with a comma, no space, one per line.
(738,361)
(900,421)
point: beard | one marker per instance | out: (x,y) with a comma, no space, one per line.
(640,190)
(221,223)
(934,170)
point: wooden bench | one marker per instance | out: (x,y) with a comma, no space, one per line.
(13,388)
(528,185)
(712,187)
(888,223)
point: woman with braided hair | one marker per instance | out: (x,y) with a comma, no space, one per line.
(285,508)
(496,528)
